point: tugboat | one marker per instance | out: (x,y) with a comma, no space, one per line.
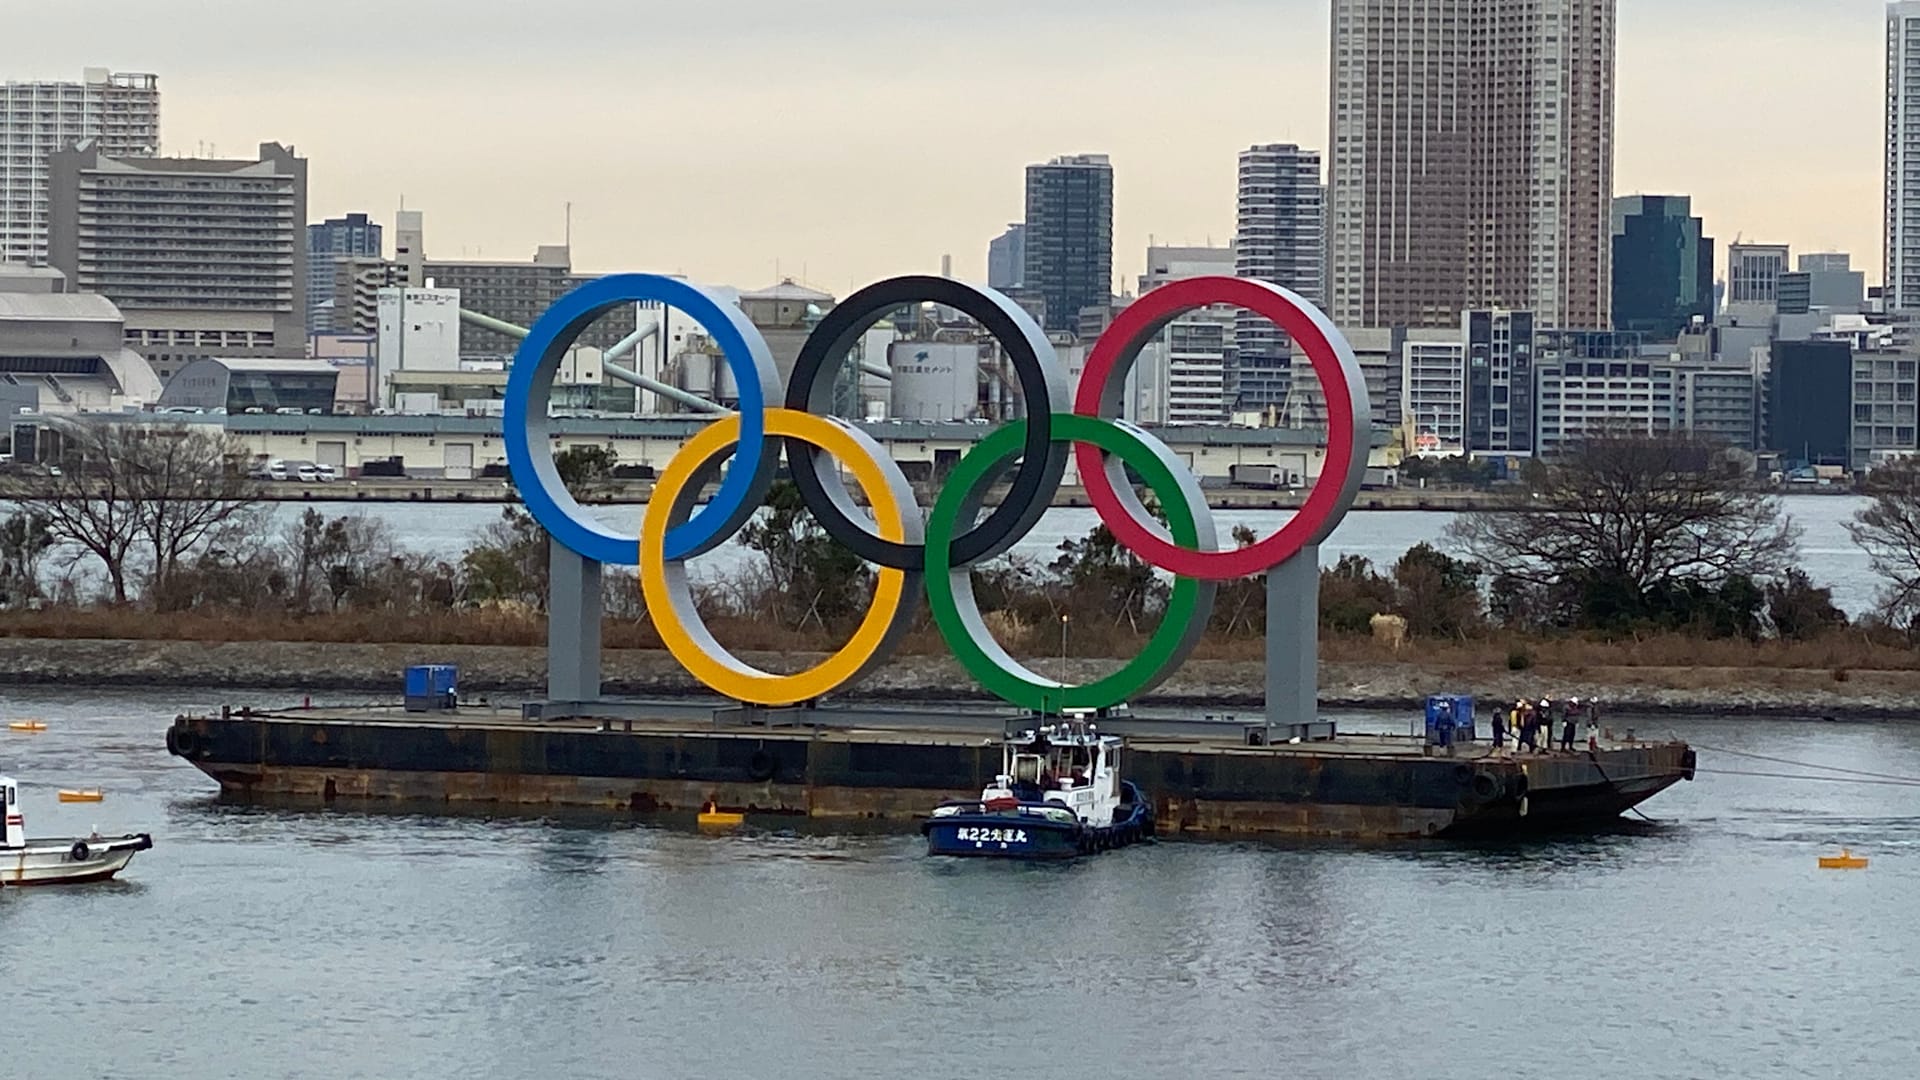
(1058,795)
(57,862)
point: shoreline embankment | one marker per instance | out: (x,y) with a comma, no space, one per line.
(1202,685)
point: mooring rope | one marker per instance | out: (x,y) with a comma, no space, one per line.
(1810,764)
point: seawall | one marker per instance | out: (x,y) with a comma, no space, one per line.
(1212,685)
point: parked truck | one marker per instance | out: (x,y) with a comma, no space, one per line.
(1257,476)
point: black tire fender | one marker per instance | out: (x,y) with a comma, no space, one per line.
(1688,761)
(763,766)
(1487,787)
(79,852)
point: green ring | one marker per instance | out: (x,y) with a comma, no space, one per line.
(975,648)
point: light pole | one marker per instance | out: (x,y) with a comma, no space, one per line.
(1063,657)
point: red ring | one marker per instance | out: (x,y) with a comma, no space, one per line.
(1137,325)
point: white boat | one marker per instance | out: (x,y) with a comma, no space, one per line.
(1059,794)
(50,861)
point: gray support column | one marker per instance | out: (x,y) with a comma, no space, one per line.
(573,625)
(1293,639)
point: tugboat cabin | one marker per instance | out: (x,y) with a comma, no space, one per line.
(1065,764)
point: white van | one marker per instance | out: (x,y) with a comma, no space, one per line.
(277,470)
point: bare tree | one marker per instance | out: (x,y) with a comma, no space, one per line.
(190,484)
(340,556)
(115,489)
(1633,513)
(1889,530)
(24,541)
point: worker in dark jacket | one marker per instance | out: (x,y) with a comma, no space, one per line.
(1569,724)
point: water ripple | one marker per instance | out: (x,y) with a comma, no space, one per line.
(308,942)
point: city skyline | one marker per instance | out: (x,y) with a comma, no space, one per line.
(674,166)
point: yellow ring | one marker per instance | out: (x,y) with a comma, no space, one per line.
(694,647)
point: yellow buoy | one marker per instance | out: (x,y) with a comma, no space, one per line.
(26,725)
(713,817)
(88,795)
(1846,860)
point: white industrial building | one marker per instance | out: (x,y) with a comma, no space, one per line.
(934,380)
(419,332)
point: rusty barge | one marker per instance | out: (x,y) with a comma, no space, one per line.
(1201,782)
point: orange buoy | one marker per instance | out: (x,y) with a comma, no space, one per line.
(712,816)
(85,795)
(1846,860)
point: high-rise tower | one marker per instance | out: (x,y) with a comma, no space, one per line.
(1472,160)
(1903,157)
(1069,236)
(1279,236)
(120,113)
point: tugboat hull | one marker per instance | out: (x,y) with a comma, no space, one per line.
(1032,830)
(1001,837)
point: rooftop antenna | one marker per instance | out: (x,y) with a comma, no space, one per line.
(569,240)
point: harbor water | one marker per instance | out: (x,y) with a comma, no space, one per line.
(343,943)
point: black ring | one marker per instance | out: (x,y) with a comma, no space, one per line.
(1043,385)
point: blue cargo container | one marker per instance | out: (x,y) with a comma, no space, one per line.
(432,686)
(1449,719)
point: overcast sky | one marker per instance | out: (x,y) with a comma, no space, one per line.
(846,140)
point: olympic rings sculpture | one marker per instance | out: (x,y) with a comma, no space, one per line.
(935,554)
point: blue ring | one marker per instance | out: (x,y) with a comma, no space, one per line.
(530,388)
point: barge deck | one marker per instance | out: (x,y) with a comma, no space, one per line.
(1349,786)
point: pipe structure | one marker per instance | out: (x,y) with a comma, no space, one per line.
(645,382)
(626,344)
(632,378)
(488,322)
(671,393)
(630,342)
